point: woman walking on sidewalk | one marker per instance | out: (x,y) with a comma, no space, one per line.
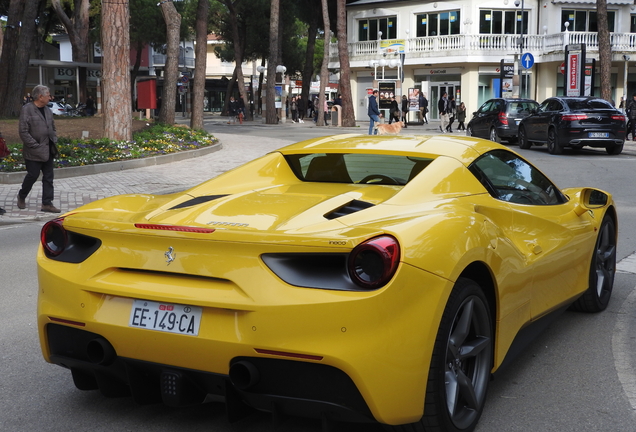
(461,116)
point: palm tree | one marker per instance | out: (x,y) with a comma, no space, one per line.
(604,49)
(324,71)
(198,90)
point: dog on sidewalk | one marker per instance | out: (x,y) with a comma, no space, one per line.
(389,129)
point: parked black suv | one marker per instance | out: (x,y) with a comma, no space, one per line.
(499,118)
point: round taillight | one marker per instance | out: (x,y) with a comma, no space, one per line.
(373,263)
(53,237)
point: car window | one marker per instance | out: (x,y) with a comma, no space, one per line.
(357,168)
(555,105)
(510,178)
(544,105)
(581,104)
(485,107)
(522,107)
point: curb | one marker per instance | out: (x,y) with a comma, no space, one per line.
(18,176)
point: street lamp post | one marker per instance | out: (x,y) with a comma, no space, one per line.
(625,72)
(518,65)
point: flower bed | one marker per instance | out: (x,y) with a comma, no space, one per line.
(156,140)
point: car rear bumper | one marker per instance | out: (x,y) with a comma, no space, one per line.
(373,348)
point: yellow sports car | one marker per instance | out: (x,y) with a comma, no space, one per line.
(352,278)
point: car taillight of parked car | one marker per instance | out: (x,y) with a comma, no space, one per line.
(53,237)
(574,117)
(373,263)
(503,118)
(619,117)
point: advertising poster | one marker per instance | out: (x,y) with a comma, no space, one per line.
(387,91)
(414,99)
(278,99)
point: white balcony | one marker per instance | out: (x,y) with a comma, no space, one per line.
(485,47)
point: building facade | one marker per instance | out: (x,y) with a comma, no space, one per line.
(461,46)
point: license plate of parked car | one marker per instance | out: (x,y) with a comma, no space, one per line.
(166,317)
(599,135)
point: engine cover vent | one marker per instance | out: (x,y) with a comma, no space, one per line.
(197,200)
(351,207)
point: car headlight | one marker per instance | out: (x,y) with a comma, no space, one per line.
(373,263)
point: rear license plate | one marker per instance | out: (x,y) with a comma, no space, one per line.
(165,317)
(599,135)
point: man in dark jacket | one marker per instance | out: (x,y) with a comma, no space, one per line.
(423,107)
(442,107)
(630,110)
(373,112)
(37,131)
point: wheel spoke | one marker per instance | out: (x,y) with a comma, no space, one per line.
(463,325)
(467,390)
(473,348)
(452,391)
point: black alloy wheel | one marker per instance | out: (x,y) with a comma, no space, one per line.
(493,135)
(614,149)
(553,142)
(602,270)
(461,363)
(523,139)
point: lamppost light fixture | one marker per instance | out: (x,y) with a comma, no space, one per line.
(281,69)
(261,69)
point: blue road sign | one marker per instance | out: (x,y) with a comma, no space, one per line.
(527,60)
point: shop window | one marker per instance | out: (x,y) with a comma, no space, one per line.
(368,28)
(437,24)
(586,20)
(632,24)
(503,21)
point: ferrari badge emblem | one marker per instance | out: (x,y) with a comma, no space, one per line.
(170,255)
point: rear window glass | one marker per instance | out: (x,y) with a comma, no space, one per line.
(521,107)
(582,104)
(356,168)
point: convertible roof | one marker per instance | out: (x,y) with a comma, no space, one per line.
(465,149)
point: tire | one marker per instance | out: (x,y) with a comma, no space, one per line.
(492,136)
(469,131)
(615,149)
(523,139)
(461,378)
(602,270)
(553,142)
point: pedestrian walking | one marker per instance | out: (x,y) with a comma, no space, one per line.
(4,152)
(302,109)
(293,107)
(452,108)
(442,108)
(423,107)
(394,111)
(461,116)
(373,112)
(232,109)
(630,108)
(240,111)
(37,131)
(90,106)
(405,109)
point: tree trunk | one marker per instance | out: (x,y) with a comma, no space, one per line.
(270,97)
(171,72)
(344,87)
(324,71)
(17,80)
(77,29)
(312,31)
(604,50)
(135,71)
(201,52)
(116,70)
(10,45)
(239,49)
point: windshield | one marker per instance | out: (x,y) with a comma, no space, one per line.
(356,168)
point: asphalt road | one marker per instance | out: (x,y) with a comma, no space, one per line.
(578,375)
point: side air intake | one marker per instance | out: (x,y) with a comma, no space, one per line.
(349,208)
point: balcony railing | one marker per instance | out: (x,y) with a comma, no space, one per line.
(542,46)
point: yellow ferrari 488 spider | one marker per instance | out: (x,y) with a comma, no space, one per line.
(350,278)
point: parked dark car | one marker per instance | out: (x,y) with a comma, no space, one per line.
(499,118)
(574,122)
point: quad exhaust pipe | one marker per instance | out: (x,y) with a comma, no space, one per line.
(100,352)
(244,375)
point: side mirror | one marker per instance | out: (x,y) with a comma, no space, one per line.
(590,199)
